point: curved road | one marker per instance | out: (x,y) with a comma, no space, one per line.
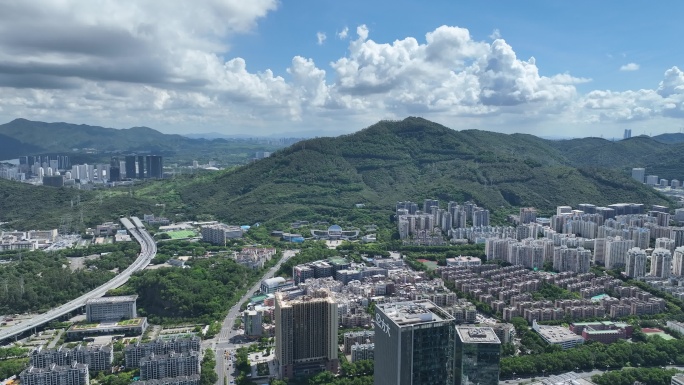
(148,250)
(222,342)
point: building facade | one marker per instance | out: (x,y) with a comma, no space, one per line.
(476,356)
(413,344)
(306,334)
(74,374)
(111,308)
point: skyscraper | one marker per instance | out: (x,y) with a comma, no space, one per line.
(306,334)
(627,134)
(155,168)
(477,355)
(413,344)
(131,171)
(114,170)
(141,167)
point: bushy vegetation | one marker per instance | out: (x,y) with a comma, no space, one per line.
(37,281)
(594,355)
(208,374)
(646,376)
(202,293)
(11,367)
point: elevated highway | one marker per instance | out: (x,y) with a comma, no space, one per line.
(148,250)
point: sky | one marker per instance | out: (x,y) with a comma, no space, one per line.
(325,68)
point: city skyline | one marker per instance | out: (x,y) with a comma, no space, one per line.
(287,68)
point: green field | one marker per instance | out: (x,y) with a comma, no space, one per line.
(180,234)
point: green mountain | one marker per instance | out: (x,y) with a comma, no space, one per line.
(673,137)
(413,159)
(32,138)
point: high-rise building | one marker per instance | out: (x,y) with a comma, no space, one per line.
(652,180)
(528,215)
(639,174)
(141,167)
(131,169)
(678,262)
(114,170)
(133,353)
(477,356)
(616,252)
(428,204)
(251,319)
(414,344)
(661,263)
(480,218)
(306,334)
(627,134)
(636,263)
(155,167)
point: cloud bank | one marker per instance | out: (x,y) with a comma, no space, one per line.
(123,63)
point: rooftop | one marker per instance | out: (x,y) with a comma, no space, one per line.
(477,335)
(414,312)
(117,299)
(557,334)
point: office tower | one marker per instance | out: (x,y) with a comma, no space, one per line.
(414,344)
(114,170)
(480,218)
(661,263)
(141,167)
(477,356)
(678,262)
(131,169)
(251,319)
(627,134)
(528,215)
(639,174)
(636,263)
(306,334)
(155,168)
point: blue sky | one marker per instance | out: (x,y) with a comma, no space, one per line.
(268,67)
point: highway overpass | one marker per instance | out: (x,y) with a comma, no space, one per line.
(148,249)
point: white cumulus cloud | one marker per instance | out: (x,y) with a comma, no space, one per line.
(629,67)
(342,35)
(320,37)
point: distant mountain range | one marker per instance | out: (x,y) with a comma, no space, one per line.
(412,159)
(22,137)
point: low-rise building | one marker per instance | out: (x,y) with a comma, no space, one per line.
(557,335)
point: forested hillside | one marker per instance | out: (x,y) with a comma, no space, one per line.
(411,159)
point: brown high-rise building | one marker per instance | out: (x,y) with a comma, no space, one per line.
(306,334)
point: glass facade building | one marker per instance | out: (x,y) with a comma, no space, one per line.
(477,356)
(413,344)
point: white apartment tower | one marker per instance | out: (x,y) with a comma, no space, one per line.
(661,263)
(636,263)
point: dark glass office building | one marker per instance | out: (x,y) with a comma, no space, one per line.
(414,344)
(114,170)
(155,168)
(477,356)
(131,171)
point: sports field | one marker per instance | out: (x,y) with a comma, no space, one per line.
(181,234)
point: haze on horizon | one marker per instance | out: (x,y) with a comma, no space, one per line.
(268,67)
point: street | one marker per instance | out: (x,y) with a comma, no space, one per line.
(226,339)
